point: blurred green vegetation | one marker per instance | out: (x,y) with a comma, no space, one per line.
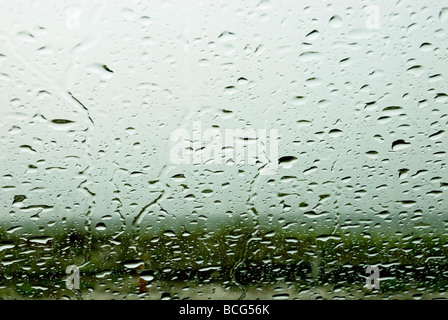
(238,252)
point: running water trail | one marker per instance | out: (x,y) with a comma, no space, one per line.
(65,91)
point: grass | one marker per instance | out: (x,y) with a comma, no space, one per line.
(236,255)
(237,251)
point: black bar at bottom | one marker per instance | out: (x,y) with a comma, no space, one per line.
(224,309)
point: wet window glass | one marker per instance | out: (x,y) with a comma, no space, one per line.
(223,149)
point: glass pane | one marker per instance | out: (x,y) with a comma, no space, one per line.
(223,149)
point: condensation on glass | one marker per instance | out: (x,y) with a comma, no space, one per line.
(223,149)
